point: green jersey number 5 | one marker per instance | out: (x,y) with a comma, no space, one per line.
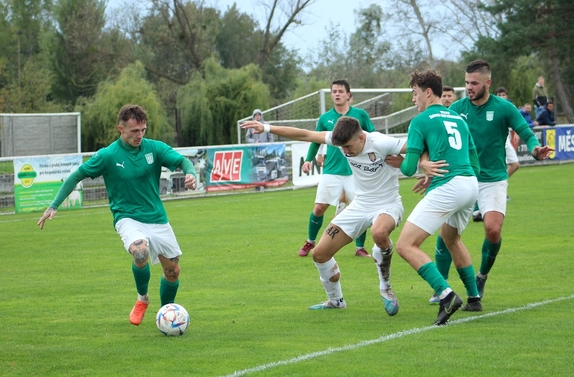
(453,135)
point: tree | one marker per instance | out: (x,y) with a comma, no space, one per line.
(75,48)
(99,114)
(238,40)
(210,105)
(285,14)
(32,93)
(543,28)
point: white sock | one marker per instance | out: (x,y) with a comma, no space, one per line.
(378,258)
(326,271)
(445,293)
(143,298)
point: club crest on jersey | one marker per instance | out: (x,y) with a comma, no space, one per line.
(489,116)
(372,157)
(149,158)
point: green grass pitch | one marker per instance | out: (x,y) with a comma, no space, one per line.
(66,292)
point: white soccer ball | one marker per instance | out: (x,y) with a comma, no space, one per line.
(172,320)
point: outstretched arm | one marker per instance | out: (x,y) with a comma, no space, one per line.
(65,190)
(288,132)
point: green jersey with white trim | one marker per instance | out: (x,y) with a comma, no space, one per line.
(336,163)
(446,136)
(132,177)
(488,126)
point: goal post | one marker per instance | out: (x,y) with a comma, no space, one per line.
(390,109)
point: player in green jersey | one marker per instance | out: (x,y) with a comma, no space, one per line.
(489,117)
(336,178)
(449,199)
(131,167)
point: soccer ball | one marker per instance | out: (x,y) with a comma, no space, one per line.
(172,320)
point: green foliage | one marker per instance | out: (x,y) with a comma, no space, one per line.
(75,48)
(99,113)
(237,42)
(211,104)
(175,39)
(280,73)
(33,93)
(247,293)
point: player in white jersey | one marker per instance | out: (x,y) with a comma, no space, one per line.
(377,203)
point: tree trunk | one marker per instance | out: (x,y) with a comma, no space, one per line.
(560,92)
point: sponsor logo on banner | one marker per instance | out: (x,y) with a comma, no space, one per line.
(551,142)
(226,166)
(26,175)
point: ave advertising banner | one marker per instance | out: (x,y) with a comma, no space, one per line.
(38,179)
(245,166)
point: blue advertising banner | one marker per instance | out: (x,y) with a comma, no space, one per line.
(560,138)
(245,166)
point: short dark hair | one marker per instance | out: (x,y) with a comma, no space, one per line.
(343,83)
(135,112)
(427,79)
(501,89)
(447,88)
(345,129)
(549,103)
(479,65)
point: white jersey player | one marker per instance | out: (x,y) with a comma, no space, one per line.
(377,203)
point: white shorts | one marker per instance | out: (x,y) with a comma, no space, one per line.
(492,196)
(451,203)
(160,238)
(511,156)
(332,186)
(356,218)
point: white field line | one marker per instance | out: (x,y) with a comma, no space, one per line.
(385,338)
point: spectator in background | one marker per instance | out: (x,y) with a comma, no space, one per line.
(502,93)
(251,137)
(265,137)
(546,116)
(539,96)
(525,111)
(448,96)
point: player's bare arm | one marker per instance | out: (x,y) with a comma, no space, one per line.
(394,161)
(288,132)
(48,214)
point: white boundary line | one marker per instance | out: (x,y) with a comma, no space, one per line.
(385,338)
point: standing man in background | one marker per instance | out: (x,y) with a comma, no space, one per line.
(131,167)
(539,96)
(336,177)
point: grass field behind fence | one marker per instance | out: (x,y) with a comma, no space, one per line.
(66,292)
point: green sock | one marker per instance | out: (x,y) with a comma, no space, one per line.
(360,242)
(442,257)
(141,276)
(315,223)
(167,291)
(475,207)
(489,253)
(467,276)
(430,274)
